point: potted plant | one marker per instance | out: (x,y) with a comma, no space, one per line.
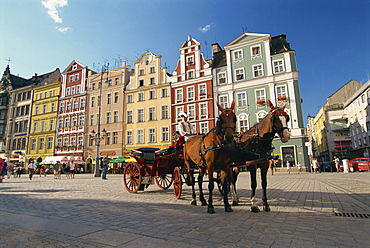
(261,102)
(282,98)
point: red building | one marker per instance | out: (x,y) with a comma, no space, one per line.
(191,88)
(72,109)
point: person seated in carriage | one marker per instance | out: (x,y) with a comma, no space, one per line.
(184,127)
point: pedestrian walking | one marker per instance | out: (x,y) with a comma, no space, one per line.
(19,171)
(299,168)
(72,167)
(105,163)
(315,165)
(42,170)
(288,166)
(9,170)
(67,169)
(31,169)
(57,168)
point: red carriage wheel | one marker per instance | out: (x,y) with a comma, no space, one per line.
(164,181)
(177,183)
(132,177)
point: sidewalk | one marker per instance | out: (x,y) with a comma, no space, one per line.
(307,211)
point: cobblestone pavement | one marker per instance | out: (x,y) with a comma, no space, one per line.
(308,210)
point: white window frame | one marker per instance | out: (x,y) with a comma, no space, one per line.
(152,114)
(190,74)
(130,98)
(224,101)
(221,77)
(191,110)
(140,136)
(278,66)
(179,95)
(152,135)
(129,137)
(243,118)
(203,127)
(238,72)
(140,115)
(241,99)
(256,55)
(238,54)
(203,109)
(281,91)
(190,92)
(165,112)
(260,97)
(165,134)
(258,70)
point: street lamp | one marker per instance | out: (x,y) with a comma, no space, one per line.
(96,136)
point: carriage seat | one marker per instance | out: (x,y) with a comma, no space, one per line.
(147,154)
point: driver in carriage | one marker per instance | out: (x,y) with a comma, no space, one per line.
(184,127)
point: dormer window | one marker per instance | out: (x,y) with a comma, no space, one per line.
(256,52)
(190,60)
(74,67)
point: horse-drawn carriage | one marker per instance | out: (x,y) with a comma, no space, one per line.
(217,151)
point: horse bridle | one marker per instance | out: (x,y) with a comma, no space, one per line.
(279,112)
(225,112)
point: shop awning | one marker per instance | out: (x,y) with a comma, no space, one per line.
(54,159)
(122,159)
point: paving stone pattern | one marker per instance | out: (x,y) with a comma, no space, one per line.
(90,212)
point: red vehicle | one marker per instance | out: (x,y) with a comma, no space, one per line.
(360,164)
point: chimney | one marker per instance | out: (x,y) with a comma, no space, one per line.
(216,48)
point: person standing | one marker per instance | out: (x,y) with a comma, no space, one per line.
(299,168)
(72,170)
(105,163)
(288,166)
(31,169)
(184,127)
(57,168)
(336,162)
(42,170)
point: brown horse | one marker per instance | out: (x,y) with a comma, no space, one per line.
(258,139)
(207,152)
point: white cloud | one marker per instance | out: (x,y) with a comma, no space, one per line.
(206,27)
(62,30)
(52,6)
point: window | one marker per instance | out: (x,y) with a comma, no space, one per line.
(141,72)
(260,95)
(36,110)
(115,137)
(109,98)
(165,134)
(115,116)
(256,51)
(204,127)
(129,116)
(202,90)
(179,95)
(152,114)
(140,115)
(238,54)
(44,109)
(151,80)
(109,82)
(52,107)
(42,126)
(130,98)
(178,111)
(164,112)
(129,137)
(116,97)
(92,120)
(257,70)
(51,125)
(73,90)
(68,106)
(74,67)
(152,94)
(141,82)
(93,86)
(243,123)
(82,103)
(151,135)
(141,96)
(242,99)
(116,81)
(278,66)
(62,106)
(239,74)
(152,69)
(78,89)
(281,92)
(92,101)
(107,139)
(73,78)
(41,143)
(68,90)
(33,144)
(223,101)
(66,123)
(140,136)
(190,60)
(80,140)
(191,110)
(74,121)
(75,104)
(50,143)
(35,127)
(81,120)
(165,92)
(190,74)
(109,117)
(60,123)
(190,91)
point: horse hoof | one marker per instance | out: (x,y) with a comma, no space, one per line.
(235,203)
(255,209)
(193,203)
(211,210)
(228,209)
(266,208)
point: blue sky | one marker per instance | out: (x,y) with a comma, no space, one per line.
(331,37)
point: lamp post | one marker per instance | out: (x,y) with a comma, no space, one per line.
(96,136)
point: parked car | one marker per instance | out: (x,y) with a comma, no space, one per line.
(359,164)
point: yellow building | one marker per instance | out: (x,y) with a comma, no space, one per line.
(320,133)
(43,122)
(147,105)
